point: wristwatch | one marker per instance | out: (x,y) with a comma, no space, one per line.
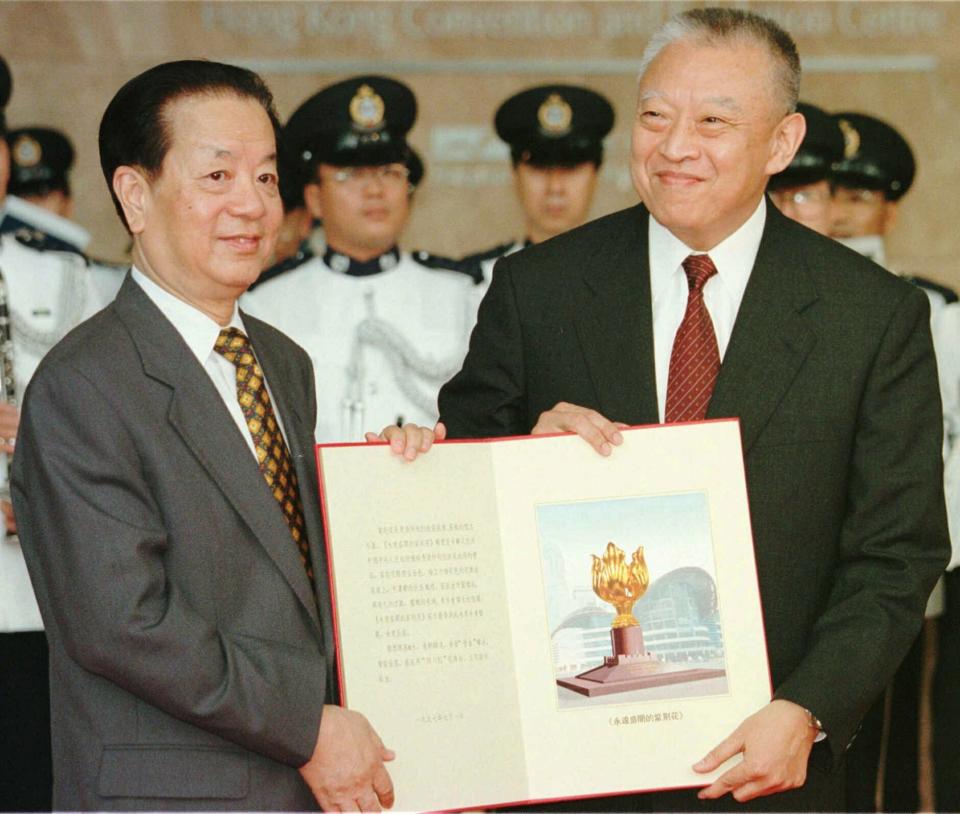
(813,720)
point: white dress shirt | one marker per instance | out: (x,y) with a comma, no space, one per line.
(722,294)
(200,333)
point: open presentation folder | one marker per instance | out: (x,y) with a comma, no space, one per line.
(475,591)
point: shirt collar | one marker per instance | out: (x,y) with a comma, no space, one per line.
(345,264)
(734,256)
(197,329)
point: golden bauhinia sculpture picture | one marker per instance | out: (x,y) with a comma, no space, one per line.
(619,583)
(631,667)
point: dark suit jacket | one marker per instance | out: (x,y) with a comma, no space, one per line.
(830,370)
(189,661)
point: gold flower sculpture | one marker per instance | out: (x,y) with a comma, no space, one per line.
(620,584)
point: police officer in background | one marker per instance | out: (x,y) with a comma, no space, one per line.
(38,192)
(39,195)
(38,206)
(802,191)
(40,162)
(875,171)
(385,328)
(301,235)
(44,292)
(555,133)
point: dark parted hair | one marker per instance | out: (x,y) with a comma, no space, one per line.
(135,130)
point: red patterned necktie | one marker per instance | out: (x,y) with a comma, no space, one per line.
(695,359)
(272,453)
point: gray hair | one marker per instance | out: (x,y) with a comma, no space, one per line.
(713,26)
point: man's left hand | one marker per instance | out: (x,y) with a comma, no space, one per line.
(775,742)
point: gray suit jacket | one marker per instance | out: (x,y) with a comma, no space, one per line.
(830,370)
(189,658)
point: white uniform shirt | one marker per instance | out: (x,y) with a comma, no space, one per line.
(381,344)
(945,323)
(48,294)
(734,258)
(945,330)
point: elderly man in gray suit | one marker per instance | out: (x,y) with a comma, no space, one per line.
(167,498)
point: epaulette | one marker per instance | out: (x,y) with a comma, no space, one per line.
(303,254)
(488,254)
(948,294)
(42,242)
(435,261)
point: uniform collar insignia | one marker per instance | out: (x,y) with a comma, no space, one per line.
(344,264)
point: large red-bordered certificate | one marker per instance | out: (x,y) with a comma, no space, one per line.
(522,619)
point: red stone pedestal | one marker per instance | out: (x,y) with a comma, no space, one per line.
(627,641)
(632,668)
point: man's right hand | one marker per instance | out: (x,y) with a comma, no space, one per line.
(410,440)
(8,519)
(601,433)
(9,422)
(346,771)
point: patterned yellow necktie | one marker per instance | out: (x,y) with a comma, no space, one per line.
(272,453)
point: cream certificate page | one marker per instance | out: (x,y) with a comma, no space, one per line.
(522,619)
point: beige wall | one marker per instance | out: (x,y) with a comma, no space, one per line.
(899,60)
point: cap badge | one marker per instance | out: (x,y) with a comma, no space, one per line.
(851,139)
(555,115)
(27,151)
(367,108)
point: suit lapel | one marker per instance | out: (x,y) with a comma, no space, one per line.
(300,438)
(299,434)
(771,337)
(200,417)
(615,327)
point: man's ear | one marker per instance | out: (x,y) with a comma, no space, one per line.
(4,167)
(311,198)
(787,139)
(132,189)
(890,211)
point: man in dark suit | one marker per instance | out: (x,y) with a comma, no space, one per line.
(706,302)
(166,494)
